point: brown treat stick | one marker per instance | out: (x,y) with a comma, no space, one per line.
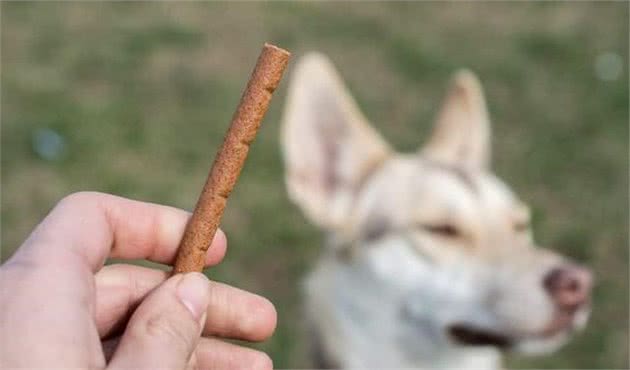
(227,165)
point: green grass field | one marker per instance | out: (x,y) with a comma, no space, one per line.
(142,93)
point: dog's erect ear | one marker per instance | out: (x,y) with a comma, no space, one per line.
(462,132)
(329,147)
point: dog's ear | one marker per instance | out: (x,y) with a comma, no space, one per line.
(328,145)
(462,132)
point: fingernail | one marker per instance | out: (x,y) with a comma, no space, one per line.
(192,291)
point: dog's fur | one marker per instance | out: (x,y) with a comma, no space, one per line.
(425,249)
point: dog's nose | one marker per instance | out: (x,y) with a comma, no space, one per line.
(569,286)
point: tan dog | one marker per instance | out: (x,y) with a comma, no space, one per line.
(430,261)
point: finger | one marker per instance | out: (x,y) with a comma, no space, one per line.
(165,329)
(119,290)
(214,354)
(96,226)
(232,312)
(235,313)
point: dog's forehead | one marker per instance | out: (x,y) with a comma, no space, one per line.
(413,184)
(459,185)
(408,191)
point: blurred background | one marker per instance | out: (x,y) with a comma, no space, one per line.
(134,98)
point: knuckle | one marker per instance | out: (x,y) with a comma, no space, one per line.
(164,328)
(79,199)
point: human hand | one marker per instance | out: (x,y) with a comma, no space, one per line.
(60,307)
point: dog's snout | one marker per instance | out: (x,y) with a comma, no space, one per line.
(569,286)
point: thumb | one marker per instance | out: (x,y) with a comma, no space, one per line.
(164,330)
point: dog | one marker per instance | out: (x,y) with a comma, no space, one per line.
(429,260)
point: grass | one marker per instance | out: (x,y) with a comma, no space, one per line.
(142,93)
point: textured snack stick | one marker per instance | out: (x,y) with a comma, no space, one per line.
(227,165)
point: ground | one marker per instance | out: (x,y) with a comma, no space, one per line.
(133,99)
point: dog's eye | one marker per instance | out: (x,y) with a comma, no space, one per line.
(446,230)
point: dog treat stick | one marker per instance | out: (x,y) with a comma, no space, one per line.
(230,159)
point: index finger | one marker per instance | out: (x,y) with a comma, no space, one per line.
(97,226)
